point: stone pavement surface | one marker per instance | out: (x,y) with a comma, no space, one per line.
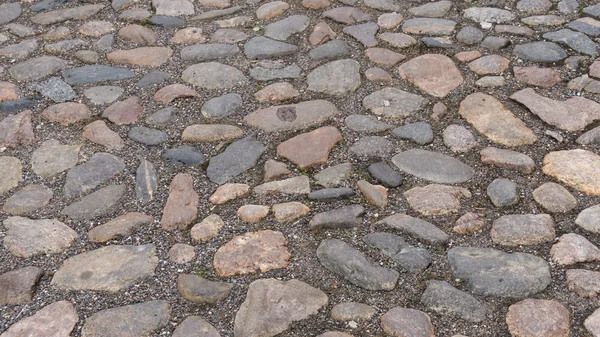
(253,168)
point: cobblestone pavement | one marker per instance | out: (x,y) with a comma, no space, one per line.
(302,168)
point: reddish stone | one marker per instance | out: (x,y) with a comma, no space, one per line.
(384,56)
(138,34)
(9,91)
(541,77)
(188,35)
(468,56)
(321,34)
(434,74)
(143,56)
(378,75)
(276,92)
(311,148)
(538,318)
(173,91)
(16,130)
(210,132)
(99,133)
(124,112)
(468,223)
(182,204)
(595,69)
(573,248)
(315,4)
(67,113)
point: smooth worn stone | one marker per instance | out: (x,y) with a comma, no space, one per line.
(576,168)
(246,254)
(372,147)
(375,194)
(507,159)
(98,132)
(222,106)
(100,168)
(105,43)
(96,28)
(37,68)
(534,6)
(237,158)
(143,56)
(335,78)
(124,112)
(492,119)
(394,103)
(468,56)
(274,169)
(188,35)
(238,21)
(385,174)
(443,298)
(321,33)
(331,194)
(96,204)
(16,130)
(95,73)
(294,185)
(541,77)
(433,166)
(543,20)
(181,253)
(57,33)
(207,52)
(554,198)
(592,323)
(200,290)
(437,42)
(153,78)
(585,283)
(162,117)
(252,213)
(27,238)
(315,4)
(436,199)
(589,219)
(11,173)
(228,36)
(491,272)
(490,82)
(56,90)
(339,218)
(491,64)
(216,13)
(416,227)
(573,114)
(67,113)
(18,286)
(19,104)
(410,258)
(400,321)
(171,92)
(468,223)
(228,192)
(138,35)
(384,56)
(20,50)
(267,74)
(533,317)
(418,132)
(575,40)
(352,311)
(398,40)
(123,225)
(10,12)
(469,35)
(346,261)
(289,211)
(389,20)
(263,48)
(146,181)
(135,15)
(173,7)
(28,199)
(271,10)
(593,10)
(54,320)
(346,15)
(207,229)
(573,248)
(439,111)
(382,5)
(271,306)
(105,94)
(311,148)
(49,159)
(181,208)
(66,14)
(489,15)
(109,268)
(147,136)
(333,175)
(331,50)
(525,229)
(435,9)
(166,21)
(434,74)
(184,155)
(364,33)
(427,26)
(276,92)
(366,123)
(514,30)
(586,25)
(205,133)
(140,319)
(503,192)
(458,138)
(283,29)
(542,52)
(210,75)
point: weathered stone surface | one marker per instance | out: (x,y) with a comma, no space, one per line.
(589,219)
(200,290)
(375,194)
(271,306)
(468,223)
(52,158)
(407,322)
(143,56)
(289,211)
(418,132)
(458,138)
(26,238)
(573,248)
(28,199)
(434,74)
(61,15)
(110,268)
(121,226)
(181,253)
(366,123)
(12,170)
(228,192)
(489,14)
(340,218)
(346,261)
(433,166)
(207,229)
(311,148)
(100,168)
(140,319)
(237,158)
(222,106)
(246,254)
(96,204)
(147,136)
(443,298)
(94,74)
(253,213)
(181,208)
(54,320)
(334,175)
(490,64)
(346,15)
(67,113)
(527,229)
(98,132)
(436,199)
(283,29)
(416,227)
(592,323)
(213,75)
(195,326)
(502,192)
(585,283)
(577,168)
(533,317)
(335,78)
(331,194)
(490,272)
(385,174)
(17,286)
(331,50)
(364,33)
(541,77)
(36,68)
(124,112)
(491,118)
(292,117)
(210,133)
(275,92)
(16,130)
(542,52)
(408,257)
(507,159)
(171,92)
(554,198)
(426,26)
(261,47)
(294,185)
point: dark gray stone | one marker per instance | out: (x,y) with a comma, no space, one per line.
(36,68)
(346,261)
(385,174)
(491,272)
(96,204)
(331,50)
(372,147)
(413,258)
(166,21)
(339,218)
(365,123)
(433,166)
(495,42)
(150,79)
(582,25)
(570,7)
(543,52)
(267,74)
(261,47)
(162,116)
(146,181)
(575,40)
(419,132)
(100,168)
(503,192)
(331,194)
(416,227)
(282,29)
(17,105)
(216,13)
(147,136)
(184,155)
(469,35)
(444,299)
(96,73)
(222,106)
(105,43)
(237,158)
(409,257)
(364,33)
(56,89)
(429,26)
(208,51)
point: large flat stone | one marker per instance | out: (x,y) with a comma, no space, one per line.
(292,117)
(237,158)
(213,75)
(96,73)
(36,68)
(140,319)
(434,74)
(577,168)
(26,237)
(96,204)
(311,148)
(62,15)
(54,320)
(433,166)
(394,103)
(100,168)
